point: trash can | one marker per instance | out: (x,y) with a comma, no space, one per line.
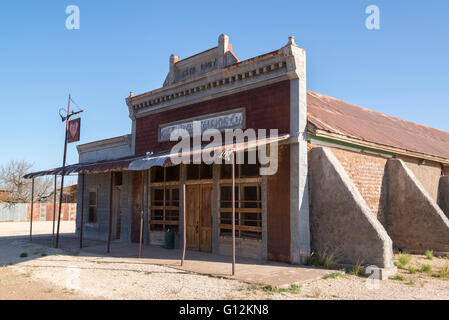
(169,239)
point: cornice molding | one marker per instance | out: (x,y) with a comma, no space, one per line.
(269,68)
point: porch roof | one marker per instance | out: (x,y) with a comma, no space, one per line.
(88,167)
(162,159)
(220,151)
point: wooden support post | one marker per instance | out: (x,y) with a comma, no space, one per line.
(110,215)
(32,209)
(82,211)
(233,213)
(184,237)
(61,194)
(54,205)
(141,215)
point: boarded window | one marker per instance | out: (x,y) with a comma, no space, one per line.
(164,208)
(248,210)
(248,169)
(164,198)
(92,210)
(199,171)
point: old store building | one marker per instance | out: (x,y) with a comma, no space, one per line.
(350,182)
(266,92)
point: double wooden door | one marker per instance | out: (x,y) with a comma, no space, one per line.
(199,217)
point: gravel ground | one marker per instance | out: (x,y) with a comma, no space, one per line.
(39,227)
(110,278)
(48,273)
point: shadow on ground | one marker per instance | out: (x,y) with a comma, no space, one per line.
(247,270)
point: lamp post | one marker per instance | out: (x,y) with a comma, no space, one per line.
(65,118)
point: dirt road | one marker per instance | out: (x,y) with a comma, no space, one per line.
(35,271)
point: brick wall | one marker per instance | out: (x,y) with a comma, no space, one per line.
(428,174)
(266,107)
(367,173)
(44,211)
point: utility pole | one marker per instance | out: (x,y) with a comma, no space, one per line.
(61,193)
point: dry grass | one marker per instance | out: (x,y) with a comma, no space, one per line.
(324,259)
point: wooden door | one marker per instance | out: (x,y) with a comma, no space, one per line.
(205,230)
(192,216)
(199,217)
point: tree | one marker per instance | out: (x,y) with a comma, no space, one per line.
(17,187)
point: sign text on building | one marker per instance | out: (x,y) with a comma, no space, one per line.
(233,120)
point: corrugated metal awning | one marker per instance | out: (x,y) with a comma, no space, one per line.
(220,151)
(89,167)
(163,159)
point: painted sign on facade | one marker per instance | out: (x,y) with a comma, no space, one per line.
(221,122)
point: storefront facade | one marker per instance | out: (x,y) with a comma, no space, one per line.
(217,90)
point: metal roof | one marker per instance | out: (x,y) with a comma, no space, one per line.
(151,160)
(346,119)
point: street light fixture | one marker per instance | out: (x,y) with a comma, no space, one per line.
(65,118)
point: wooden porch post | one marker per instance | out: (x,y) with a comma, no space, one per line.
(110,216)
(184,237)
(233,213)
(54,206)
(141,215)
(32,207)
(82,211)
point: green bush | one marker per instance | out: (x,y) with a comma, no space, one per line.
(321,260)
(444,272)
(411,270)
(333,275)
(404,259)
(398,277)
(429,254)
(426,268)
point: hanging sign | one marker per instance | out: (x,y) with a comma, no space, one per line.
(74,130)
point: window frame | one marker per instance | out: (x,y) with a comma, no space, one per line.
(240,209)
(162,205)
(89,205)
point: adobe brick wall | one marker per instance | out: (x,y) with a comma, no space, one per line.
(443,194)
(428,174)
(367,171)
(266,107)
(415,222)
(341,222)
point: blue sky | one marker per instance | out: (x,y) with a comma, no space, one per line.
(401,69)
